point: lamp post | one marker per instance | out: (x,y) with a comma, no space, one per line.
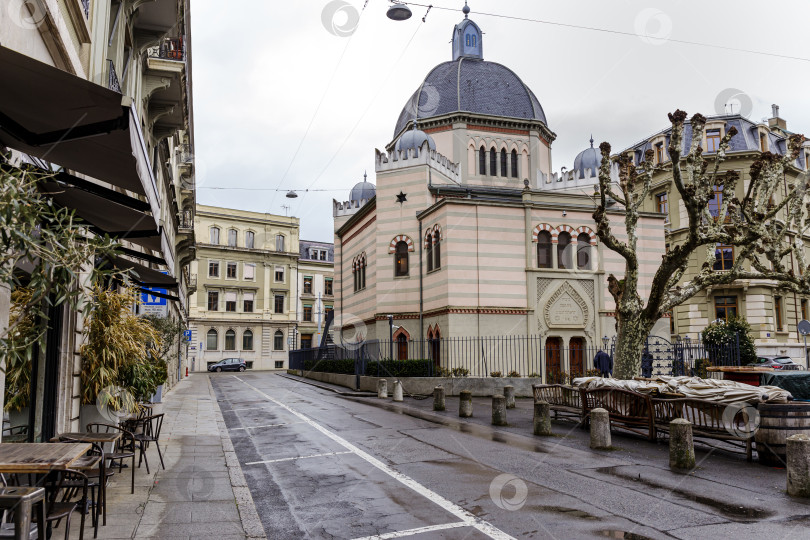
(390,337)
(605,342)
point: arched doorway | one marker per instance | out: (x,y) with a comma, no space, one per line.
(554,360)
(434,347)
(576,356)
(402,347)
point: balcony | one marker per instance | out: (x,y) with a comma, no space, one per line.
(169,49)
(112,77)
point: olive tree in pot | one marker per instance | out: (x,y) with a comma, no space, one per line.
(119,348)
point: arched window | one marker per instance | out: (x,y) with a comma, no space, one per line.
(437,250)
(482,161)
(211,340)
(584,251)
(503,162)
(544,249)
(429,252)
(402,347)
(563,251)
(232,234)
(230,340)
(247,340)
(249,239)
(215,235)
(401,259)
(363,272)
(493,162)
(514,164)
(278,341)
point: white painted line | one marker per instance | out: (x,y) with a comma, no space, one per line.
(296,457)
(266,426)
(465,516)
(419,530)
(247,408)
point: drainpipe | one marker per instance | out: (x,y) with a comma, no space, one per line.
(421,296)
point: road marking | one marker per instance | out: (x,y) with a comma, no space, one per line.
(296,457)
(419,530)
(465,516)
(266,425)
(246,408)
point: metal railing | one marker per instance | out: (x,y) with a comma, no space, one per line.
(504,356)
(112,77)
(169,49)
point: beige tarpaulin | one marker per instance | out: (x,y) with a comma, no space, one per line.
(718,390)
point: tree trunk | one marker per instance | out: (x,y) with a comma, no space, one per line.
(630,342)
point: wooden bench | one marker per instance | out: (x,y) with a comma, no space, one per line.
(709,420)
(563,400)
(629,410)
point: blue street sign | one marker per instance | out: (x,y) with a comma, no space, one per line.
(187,335)
(153,300)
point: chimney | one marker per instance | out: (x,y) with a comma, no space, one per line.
(775,121)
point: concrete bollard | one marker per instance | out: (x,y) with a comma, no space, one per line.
(542,418)
(397,391)
(798,465)
(382,388)
(498,411)
(509,394)
(681,445)
(438,398)
(600,429)
(465,404)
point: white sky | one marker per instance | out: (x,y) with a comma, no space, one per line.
(261,68)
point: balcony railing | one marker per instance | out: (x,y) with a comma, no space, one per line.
(169,49)
(112,77)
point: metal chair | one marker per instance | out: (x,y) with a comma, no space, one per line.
(93,466)
(69,482)
(147,430)
(124,448)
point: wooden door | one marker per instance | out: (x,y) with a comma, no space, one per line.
(553,360)
(576,355)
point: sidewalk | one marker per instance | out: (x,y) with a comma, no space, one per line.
(201,494)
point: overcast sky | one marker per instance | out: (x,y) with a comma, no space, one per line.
(280,100)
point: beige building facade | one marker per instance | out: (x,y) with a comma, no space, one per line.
(247,288)
(316,291)
(113,81)
(462,236)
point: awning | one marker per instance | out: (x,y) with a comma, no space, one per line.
(106,211)
(80,125)
(145,277)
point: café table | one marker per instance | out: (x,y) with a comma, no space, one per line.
(37,458)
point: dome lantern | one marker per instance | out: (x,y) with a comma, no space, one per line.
(363,191)
(590,158)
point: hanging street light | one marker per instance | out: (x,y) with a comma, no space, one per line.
(398,12)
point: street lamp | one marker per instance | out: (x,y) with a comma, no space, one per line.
(605,341)
(398,11)
(292,194)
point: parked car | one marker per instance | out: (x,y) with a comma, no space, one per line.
(777,362)
(229,364)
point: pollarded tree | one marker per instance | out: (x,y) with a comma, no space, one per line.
(765,244)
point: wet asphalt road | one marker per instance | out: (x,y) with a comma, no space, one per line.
(320,465)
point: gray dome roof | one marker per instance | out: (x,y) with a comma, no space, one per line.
(415,138)
(590,158)
(471,85)
(363,191)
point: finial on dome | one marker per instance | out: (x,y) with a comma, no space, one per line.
(591,140)
(365,176)
(465,9)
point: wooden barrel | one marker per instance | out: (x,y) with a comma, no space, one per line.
(777,422)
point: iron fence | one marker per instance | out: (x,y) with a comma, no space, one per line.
(503,356)
(112,77)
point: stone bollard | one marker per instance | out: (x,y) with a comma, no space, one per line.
(681,445)
(397,391)
(798,465)
(600,429)
(382,388)
(465,404)
(438,398)
(498,411)
(542,418)
(509,394)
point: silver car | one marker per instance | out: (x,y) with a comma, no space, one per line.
(777,362)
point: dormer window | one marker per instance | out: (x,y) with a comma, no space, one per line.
(763,142)
(712,140)
(659,153)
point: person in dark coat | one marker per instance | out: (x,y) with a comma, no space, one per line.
(603,363)
(646,364)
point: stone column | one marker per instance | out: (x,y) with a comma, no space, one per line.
(509,394)
(382,388)
(798,465)
(681,445)
(397,391)
(498,411)
(438,398)
(600,429)
(542,418)
(465,404)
